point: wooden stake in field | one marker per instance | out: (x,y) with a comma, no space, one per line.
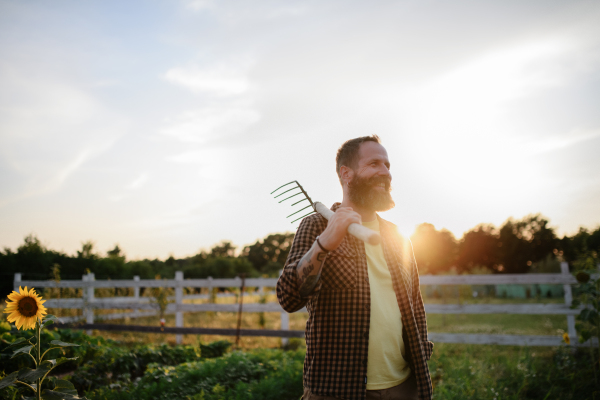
(239,322)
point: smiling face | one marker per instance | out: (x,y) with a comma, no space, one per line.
(369,185)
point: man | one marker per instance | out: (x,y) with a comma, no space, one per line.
(366,334)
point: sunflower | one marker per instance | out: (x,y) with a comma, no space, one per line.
(25,308)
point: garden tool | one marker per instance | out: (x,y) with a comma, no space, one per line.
(358,231)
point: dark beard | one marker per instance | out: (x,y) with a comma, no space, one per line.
(362,193)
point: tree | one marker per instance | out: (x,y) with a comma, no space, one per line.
(524,242)
(87,250)
(269,256)
(479,247)
(581,243)
(435,251)
(223,249)
(115,253)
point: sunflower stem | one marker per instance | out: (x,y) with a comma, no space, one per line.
(26,384)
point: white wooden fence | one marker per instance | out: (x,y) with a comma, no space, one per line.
(89,302)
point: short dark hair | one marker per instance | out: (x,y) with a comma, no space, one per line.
(347,154)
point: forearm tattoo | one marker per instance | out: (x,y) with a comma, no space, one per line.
(309,270)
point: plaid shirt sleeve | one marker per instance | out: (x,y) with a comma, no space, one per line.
(288,284)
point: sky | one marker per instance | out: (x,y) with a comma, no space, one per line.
(163,126)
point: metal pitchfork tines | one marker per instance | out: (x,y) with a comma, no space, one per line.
(365,234)
(306,198)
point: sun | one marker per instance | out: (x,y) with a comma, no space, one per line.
(25,308)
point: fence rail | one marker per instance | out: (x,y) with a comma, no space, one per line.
(89,302)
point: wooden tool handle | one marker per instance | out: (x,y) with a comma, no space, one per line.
(358,231)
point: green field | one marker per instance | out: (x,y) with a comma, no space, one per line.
(122,365)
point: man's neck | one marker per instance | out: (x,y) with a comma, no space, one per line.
(366,215)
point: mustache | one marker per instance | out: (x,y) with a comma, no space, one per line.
(373,181)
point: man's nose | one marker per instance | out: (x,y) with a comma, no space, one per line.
(384,171)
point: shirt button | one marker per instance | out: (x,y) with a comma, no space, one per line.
(367,280)
(364,362)
(366,334)
(366,306)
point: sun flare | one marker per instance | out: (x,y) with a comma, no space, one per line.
(24,308)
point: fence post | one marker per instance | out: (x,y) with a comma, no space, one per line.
(564,268)
(88,298)
(178,302)
(136,294)
(17,281)
(285,322)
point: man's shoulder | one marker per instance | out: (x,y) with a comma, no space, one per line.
(315,220)
(390,228)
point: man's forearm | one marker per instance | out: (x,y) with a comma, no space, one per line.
(309,269)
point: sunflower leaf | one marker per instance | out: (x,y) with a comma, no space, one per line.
(16,342)
(50,319)
(9,380)
(32,375)
(62,390)
(22,350)
(62,344)
(56,363)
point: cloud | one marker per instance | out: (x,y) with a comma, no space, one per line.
(139,181)
(221,80)
(49,128)
(574,137)
(202,125)
(199,5)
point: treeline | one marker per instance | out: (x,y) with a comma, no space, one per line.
(518,246)
(36,262)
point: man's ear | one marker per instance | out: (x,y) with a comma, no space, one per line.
(346,173)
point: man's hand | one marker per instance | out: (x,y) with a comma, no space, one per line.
(337,227)
(310,266)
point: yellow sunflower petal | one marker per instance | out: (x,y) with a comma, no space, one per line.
(13,296)
(12,317)
(26,324)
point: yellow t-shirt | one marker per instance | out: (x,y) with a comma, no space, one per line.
(386,366)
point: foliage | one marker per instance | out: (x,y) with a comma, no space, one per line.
(269,256)
(35,379)
(476,372)
(264,374)
(587,293)
(160,298)
(120,365)
(435,251)
(524,242)
(514,247)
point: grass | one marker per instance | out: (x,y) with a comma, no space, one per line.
(486,372)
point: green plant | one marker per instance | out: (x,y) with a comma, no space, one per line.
(587,293)
(160,298)
(262,321)
(26,309)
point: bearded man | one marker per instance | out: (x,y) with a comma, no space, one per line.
(366,334)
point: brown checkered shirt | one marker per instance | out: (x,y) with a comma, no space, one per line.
(337,330)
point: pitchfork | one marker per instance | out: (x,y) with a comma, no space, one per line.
(358,231)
